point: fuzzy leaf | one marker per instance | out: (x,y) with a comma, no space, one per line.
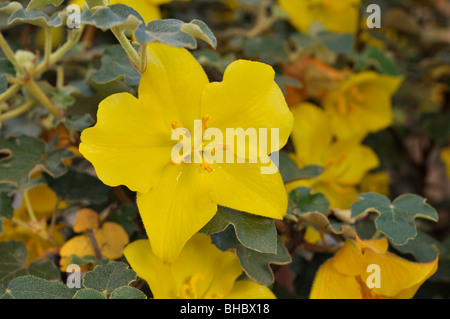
(127,292)
(255,264)
(31,287)
(108,278)
(26,156)
(397,219)
(254,232)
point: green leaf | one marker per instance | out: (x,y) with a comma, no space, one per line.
(38,18)
(270,50)
(75,186)
(125,217)
(424,248)
(62,98)
(3,83)
(116,65)
(39,4)
(108,278)
(77,122)
(397,219)
(302,201)
(25,156)
(255,264)
(290,172)
(6,209)
(127,292)
(31,287)
(88,293)
(198,29)
(254,232)
(9,7)
(114,16)
(374,57)
(13,263)
(170,31)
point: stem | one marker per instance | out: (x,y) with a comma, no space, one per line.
(59,77)
(9,53)
(73,39)
(48,46)
(36,231)
(143,59)
(98,253)
(17,111)
(29,207)
(129,49)
(13,89)
(41,97)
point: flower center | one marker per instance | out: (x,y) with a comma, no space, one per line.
(193,147)
(349,101)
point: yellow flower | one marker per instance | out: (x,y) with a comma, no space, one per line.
(361,104)
(345,161)
(201,271)
(43,200)
(131,144)
(346,275)
(148,9)
(337,16)
(445,156)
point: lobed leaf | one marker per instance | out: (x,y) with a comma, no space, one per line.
(26,156)
(253,232)
(397,219)
(255,264)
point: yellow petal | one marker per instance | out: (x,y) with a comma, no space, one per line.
(173,83)
(43,200)
(379,246)
(111,239)
(351,162)
(129,145)
(80,246)
(243,187)
(244,289)
(349,260)
(331,284)
(337,16)
(248,97)
(86,218)
(175,209)
(398,276)
(445,156)
(153,270)
(214,272)
(312,135)
(218,269)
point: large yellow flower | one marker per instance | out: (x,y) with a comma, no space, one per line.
(346,275)
(337,16)
(131,144)
(345,162)
(361,104)
(148,9)
(201,271)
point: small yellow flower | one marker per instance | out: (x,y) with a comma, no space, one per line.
(345,276)
(361,104)
(337,16)
(44,201)
(148,9)
(445,156)
(345,162)
(201,271)
(132,143)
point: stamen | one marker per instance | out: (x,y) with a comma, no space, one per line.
(205,120)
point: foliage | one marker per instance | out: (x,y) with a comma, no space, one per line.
(364,159)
